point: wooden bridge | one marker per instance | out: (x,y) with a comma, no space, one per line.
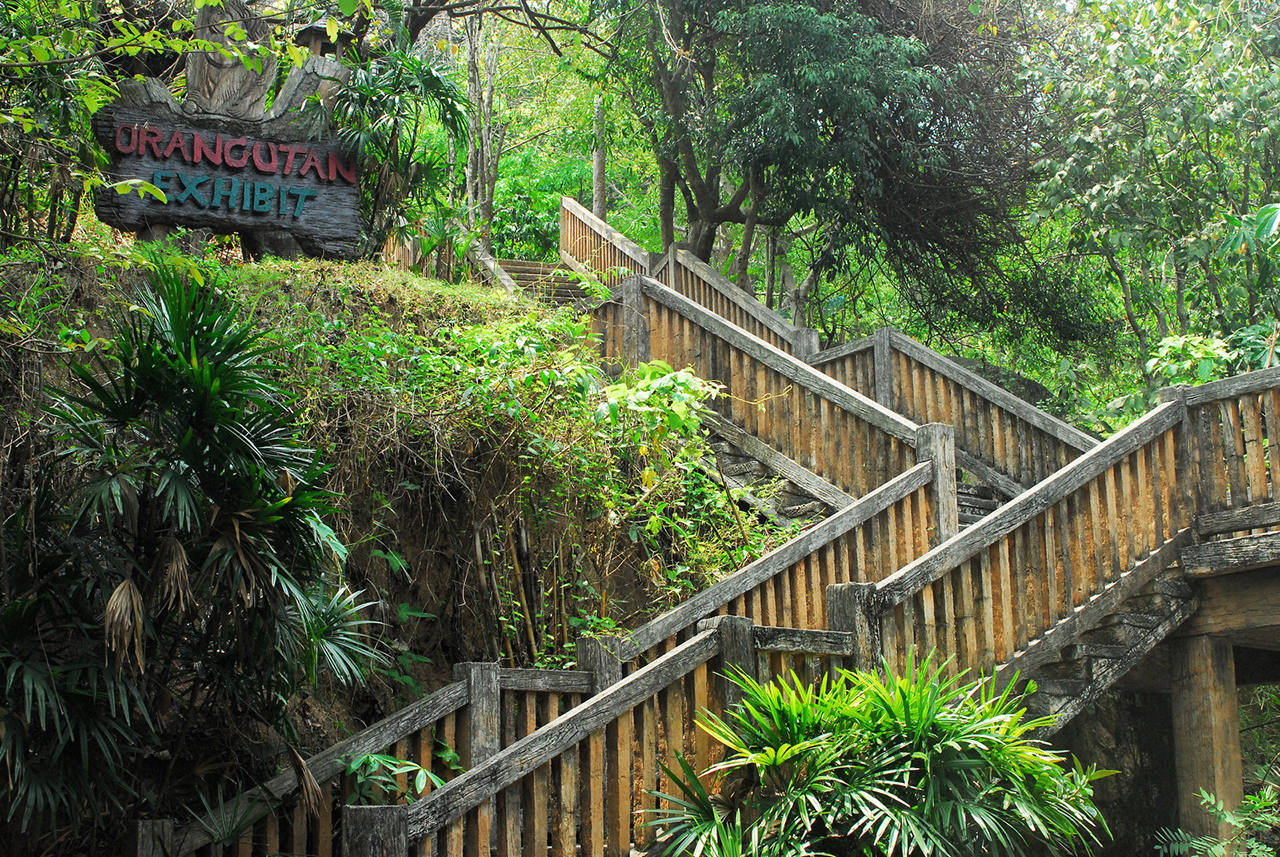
(1150,554)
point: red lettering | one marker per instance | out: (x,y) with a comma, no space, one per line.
(133,139)
(312,162)
(340,167)
(200,149)
(150,137)
(178,141)
(261,167)
(291,152)
(238,160)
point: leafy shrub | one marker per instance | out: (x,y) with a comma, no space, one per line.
(168,573)
(869,765)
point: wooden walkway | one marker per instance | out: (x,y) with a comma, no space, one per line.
(1076,577)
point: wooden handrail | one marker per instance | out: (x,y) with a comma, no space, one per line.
(456,797)
(607,233)
(254,804)
(792,368)
(1237,385)
(912,578)
(695,279)
(705,603)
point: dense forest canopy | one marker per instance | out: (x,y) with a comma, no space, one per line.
(1084,193)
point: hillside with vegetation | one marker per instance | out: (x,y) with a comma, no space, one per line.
(258,502)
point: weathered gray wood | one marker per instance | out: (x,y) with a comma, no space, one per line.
(261,187)
(154,838)
(484,715)
(808,481)
(804,641)
(254,804)
(1024,410)
(907,581)
(844,349)
(771,319)
(737,653)
(531,752)
(989,475)
(852,608)
(883,359)
(601,657)
(1048,645)
(1105,672)
(375,831)
(615,238)
(1234,520)
(489,267)
(635,322)
(1230,555)
(712,598)
(801,373)
(936,442)
(546,681)
(1237,385)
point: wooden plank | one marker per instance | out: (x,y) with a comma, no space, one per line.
(537,786)
(1255,464)
(1242,553)
(459,795)
(1236,604)
(1238,385)
(548,681)
(784,364)
(1233,520)
(327,764)
(615,239)
(785,467)
(1026,506)
(748,578)
(999,396)
(804,640)
(592,803)
(565,834)
(1048,644)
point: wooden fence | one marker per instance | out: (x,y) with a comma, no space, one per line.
(838,433)
(1045,565)
(688,275)
(1008,443)
(485,709)
(591,770)
(595,249)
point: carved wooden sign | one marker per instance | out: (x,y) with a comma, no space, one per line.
(228,176)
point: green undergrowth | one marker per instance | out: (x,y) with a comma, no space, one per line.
(499,495)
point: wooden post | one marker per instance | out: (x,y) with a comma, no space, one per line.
(882,354)
(804,342)
(482,719)
(1186,492)
(635,323)
(737,652)
(1206,731)
(483,741)
(852,607)
(936,442)
(375,831)
(154,838)
(600,657)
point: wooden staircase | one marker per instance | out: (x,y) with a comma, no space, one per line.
(547,281)
(955,518)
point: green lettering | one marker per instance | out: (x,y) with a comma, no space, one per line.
(160,178)
(303,195)
(191,189)
(263,195)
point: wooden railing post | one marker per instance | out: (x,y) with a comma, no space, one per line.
(154,838)
(737,652)
(484,738)
(375,831)
(853,607)
(882,356)
(805,342)
(936,442)
(635,322)
(1186,468)
(600,656)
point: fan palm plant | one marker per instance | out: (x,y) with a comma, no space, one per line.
(172,572)
(865,764)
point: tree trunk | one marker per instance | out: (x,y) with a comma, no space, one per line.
(599,199)
(667,202)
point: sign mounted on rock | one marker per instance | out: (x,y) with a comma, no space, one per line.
(227,175)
